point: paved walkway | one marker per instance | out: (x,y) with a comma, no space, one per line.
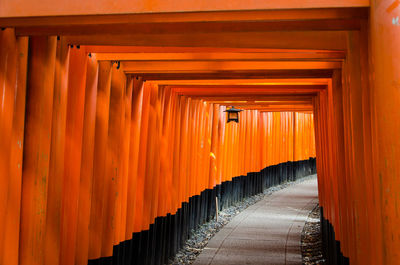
(268,232)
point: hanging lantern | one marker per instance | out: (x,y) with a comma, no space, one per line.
(233,114)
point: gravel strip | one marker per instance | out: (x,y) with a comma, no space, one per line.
(200,237)
(311,239)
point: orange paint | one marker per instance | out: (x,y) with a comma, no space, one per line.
(56,170)
(113,170)
(73,154)
(105,151)
(100,143)
(35,172)
(86,172)
(13,83)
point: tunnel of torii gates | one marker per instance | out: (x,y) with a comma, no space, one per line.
(114,141)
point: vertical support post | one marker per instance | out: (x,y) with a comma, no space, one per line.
(73,154)
(13,85)
(99,159)
(56,170)
(39,106)
(86,171)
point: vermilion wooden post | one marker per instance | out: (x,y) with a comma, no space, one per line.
(295,135)
(183,148)
(73,154)
(8,76)
(289,133)
(242,149)
(214,145)
(119,194)
(165,187)
(207,145)
(236,155)
(332,157)
(100,152)
(196,156)
(208,141)
(139,223)
(113,157)
(149,168)
(86,173)
(368,131)
(253,140)
(258,142)
(282,132)
(121,81)
(137,97)
(270,139)
(39,106)
(230,150)
(153,159)
(199,146)
(176,153)
(190,147)
(229,156)
(126,144)
(56,169)
(263,139)
(337,101)
(254,155)
(221,145)
(10,239)
(384,80)
(162,175)
(349,245)
(275,137)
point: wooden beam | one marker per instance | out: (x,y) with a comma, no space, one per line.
(256,104)
(170,10)
(287,109)
(257,99)
(245,82)
(231,91)
(190,27)
(214,56)
(172,49)
(213,66)
(229,75)
(311,40)
(272,106)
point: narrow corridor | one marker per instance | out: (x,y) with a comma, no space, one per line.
(268,232)
(123,123)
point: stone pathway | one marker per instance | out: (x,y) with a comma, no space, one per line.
(268,232)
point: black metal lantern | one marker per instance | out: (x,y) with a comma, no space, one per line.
(233,114)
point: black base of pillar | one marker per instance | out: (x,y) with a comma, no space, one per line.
(331,247)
